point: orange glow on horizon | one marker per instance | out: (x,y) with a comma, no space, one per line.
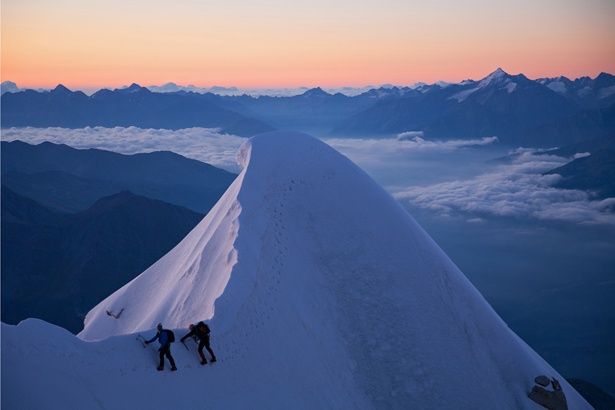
(114,43)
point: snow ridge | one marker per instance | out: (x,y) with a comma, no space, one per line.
(182,286)
(322,292)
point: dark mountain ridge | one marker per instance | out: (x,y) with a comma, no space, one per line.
(56,266)
(72,232)
(594,173)
(72,179)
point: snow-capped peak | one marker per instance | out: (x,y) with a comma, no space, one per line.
(9,87)
(499,79)
(496,76)
(442,84)
(307,267)
(417,85)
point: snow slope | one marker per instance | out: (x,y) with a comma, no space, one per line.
(321,291)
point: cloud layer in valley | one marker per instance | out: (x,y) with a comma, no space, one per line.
(203,144)
(209,145)
(410,141)
(518,190)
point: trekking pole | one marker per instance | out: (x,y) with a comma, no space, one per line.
(142,340)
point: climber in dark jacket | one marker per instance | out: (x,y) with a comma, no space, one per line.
(200,332)
(164,338)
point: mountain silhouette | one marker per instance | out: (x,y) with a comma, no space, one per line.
(56,266)
(71,179)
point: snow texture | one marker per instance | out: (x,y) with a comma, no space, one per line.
(321,292)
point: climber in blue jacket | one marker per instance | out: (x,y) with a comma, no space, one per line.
(165,338)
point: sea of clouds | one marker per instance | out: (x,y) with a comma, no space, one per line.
(410,142)
(211,146)
(203,144)
(516,189)
(519,189)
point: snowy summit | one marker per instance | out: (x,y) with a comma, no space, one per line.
(499,79)
(321,291)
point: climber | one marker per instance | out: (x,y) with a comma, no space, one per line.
(165,338)
(201,332)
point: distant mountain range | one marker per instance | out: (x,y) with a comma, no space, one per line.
(519,111)
(171,87)
(132,106)
(71,180)
(56,265)
(589,92)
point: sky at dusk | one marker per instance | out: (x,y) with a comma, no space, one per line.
(281,43)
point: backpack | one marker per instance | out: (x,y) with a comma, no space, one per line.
(203,329)
(171,336)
